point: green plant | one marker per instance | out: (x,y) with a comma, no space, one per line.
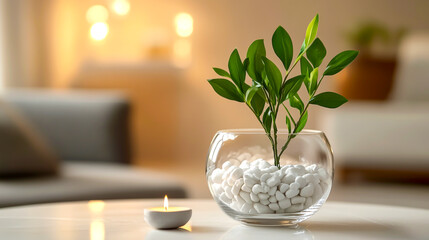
(270,90)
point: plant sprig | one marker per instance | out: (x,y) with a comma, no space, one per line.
(271,90)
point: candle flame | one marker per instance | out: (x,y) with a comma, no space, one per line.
(165,203)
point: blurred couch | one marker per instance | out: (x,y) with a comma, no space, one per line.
(71,146)
(393,135)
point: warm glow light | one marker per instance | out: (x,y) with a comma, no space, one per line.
(182,53)
(99,31)
(187,227)
(184,24)
(121,7)
(97,13)
(97,230)
(96,206)
(165,203)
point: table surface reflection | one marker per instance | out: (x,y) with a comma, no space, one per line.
(123,219)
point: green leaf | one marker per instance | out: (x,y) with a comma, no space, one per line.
(301,123)
(236,69)
(340,61)
(250,93)
(311,32)
(328,100)
(282,45)
(291,87)
(221,72)
(246,64)
(258,104)
(267,120)
(226,89)
(274,76)
(296,102)
(254,99)
(306,67)
(316,52)
(288,124)
(313,81)
(255,53)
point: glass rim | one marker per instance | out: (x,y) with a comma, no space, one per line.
(262,131)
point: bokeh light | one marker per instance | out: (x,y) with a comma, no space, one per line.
(121,7)
(182,53)
(184,24)
(99,31)
(97,13)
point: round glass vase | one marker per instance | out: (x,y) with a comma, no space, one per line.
(249,187)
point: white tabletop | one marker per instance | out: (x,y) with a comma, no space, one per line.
(124,220)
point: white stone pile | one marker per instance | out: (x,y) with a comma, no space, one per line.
(259,187)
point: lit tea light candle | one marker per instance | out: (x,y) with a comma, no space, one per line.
(167,217)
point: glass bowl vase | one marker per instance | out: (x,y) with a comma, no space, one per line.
(249,187)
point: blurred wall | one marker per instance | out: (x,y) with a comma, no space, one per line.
(219,27)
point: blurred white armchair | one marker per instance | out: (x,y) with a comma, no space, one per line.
(391,135)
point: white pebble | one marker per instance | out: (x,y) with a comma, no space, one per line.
(235,189)
(272,199)
(265,188)
(285,203)
(308,202)
(244,164)
(257,189)
(253,211)
(312,168)
(246,197)
(224,198)
(272,191)
(254,197)
(263,165)
(249,180)
(265,176)
(323,174)
(274,206)
(246,188)
(273,181)
(307,191)
(228,192)
(284,187)
(264,201)
(263,196)
(236,174)
(273,169)
(294,186)
(292,193)
(301,181)
(317,192)
(239,200)
(295,208)
(216,176)
(289,178)
(262,208)
(217,189)
(279,196)
(226,165)
(296,200)
(309,178)
(246,208)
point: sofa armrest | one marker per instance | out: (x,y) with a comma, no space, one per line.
(79,125)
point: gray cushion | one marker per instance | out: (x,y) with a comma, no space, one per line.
(83,125)
(23,151)
(89,181)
